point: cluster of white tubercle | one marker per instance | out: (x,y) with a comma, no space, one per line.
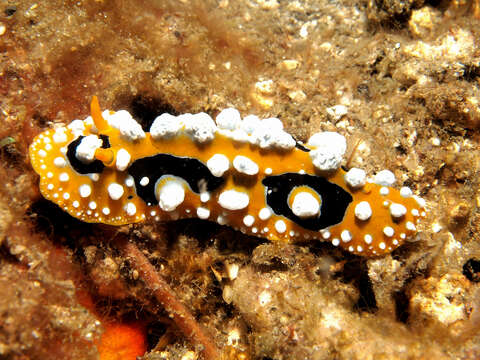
(267,135)
(327,147)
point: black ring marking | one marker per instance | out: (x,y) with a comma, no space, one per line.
(95,166)
(335,199)
(193,171)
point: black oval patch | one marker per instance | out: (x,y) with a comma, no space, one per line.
(193,171)
(335,199)
(95,166)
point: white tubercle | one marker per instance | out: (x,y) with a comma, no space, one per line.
(122,160)
(203,213)
(77,127)
(165,126)
(248,220)
(115,191)
(250,123)
(363,211)
(305,205)
(85,151)
(420,201)
(170,195)
(346,236)
(397,210)
(239,135)
(385,178)
(59,137)
(406,192)
(280,226)
(264,213)
(233,200)
(200,127)
(272,123)
(59,162)
(269,134)
(388,231)
(228,119)
(327,151)
(356,178)
(218,164)
(130,209)
(129,128)
(85,190)
(244,165)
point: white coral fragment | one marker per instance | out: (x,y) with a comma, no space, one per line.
(337,112)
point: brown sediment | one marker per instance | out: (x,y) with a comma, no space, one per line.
(165,296)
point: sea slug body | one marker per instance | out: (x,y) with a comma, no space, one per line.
(246,173)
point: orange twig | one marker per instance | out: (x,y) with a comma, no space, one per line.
(165,296)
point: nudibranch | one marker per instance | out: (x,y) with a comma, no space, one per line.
(245,173)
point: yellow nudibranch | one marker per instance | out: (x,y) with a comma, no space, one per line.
(246,173)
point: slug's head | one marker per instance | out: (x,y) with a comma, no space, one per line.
(82,166)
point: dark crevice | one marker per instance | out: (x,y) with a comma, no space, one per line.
(155,331)
(57,224)
(471,270)
(10,154)
(145,109)
(364,90)
(471,73)
(356,272)
(10,10)
(401,306)
(201,230)
(40,120)
(6,256)
(366,301)
(268,264)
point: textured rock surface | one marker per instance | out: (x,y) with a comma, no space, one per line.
(400,79)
